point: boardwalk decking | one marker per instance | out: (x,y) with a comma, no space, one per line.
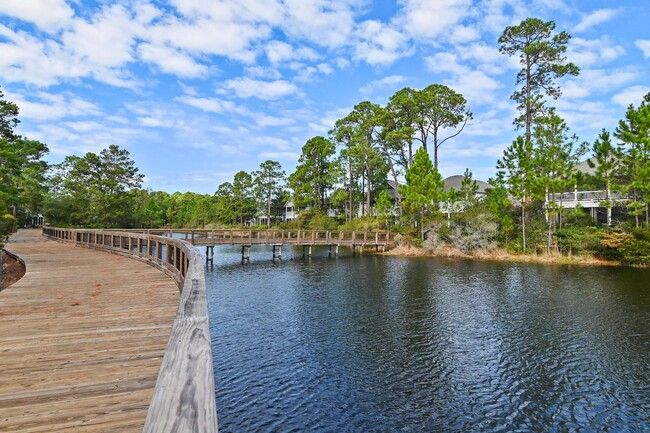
(82,336)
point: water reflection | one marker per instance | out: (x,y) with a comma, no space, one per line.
(364,344)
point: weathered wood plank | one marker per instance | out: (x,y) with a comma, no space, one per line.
(183,400)
(82,338)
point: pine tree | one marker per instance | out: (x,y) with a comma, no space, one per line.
(423,190)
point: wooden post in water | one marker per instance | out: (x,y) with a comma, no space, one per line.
(245,257)
(209,254)
(279,255)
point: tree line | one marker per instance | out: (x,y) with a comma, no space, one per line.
(341,180)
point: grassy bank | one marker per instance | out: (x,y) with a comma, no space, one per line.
(502,255)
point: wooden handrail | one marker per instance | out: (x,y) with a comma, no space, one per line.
(184,397)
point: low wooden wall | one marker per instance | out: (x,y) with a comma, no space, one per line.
(184,397)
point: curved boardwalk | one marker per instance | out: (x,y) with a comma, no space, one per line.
(82,336)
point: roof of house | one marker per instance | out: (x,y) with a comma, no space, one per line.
(585,168)
(456,180)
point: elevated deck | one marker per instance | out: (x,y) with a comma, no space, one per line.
(82,339)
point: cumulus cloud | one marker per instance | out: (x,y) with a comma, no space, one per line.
(475,85)
(249,88)
(390,82)
(589,52)
(278,52)
(99,47)
(328,23)
(48,15)
(632,95)
(426,19)
(172,61)
(644,45)
(212,105)
(593,19)
(52,106)
(594,81)
(378,43)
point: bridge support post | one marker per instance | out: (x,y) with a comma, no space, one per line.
(245,253)
(209,255)
(279,255)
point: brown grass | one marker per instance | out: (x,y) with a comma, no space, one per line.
(500,255)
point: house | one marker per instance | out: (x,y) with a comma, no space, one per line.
(454,182)
(592,201)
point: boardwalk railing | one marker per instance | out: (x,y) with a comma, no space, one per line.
(278,237)
(586,199)
(184,397)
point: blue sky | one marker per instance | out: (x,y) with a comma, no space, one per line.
(197,90)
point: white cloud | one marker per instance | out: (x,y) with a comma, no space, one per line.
(212,105)
(461,34)
(249,88)
(48,15)
(105,41)
(425,19)
(644,45)
(593,81)
(445,62)
(262,72)
(172,61)
(475,85)
(593,19)
(589,52)
(632,95)
(325,22)
(379,44)
(209,36)
(49,106)
(278,52)
(264,120)
(292,156)
(85,126)
(389,82)
(100,47)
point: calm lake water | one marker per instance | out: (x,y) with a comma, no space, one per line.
(388,344)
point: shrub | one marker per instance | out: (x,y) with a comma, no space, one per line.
(474,231)
(580,240)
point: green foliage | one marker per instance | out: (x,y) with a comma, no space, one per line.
(500,206)
(468,188)
(542,59)
(22,170)
(315,219)
(366,223)
(313,177)
(269,181)
(580,240)
(98,190)
(517,174)
(385,209)
(636,248)
(474,230)
(634,153)
(423,189)
(427,113)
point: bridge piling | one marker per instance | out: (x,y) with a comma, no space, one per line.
(209,254)
(245,253)
(279,255)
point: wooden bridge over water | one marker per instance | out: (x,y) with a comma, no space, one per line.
(333,239)
(96,342)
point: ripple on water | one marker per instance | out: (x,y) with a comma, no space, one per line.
(389,344)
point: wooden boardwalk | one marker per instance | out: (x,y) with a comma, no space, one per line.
(82,336)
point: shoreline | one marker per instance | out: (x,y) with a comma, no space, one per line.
(501,255)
